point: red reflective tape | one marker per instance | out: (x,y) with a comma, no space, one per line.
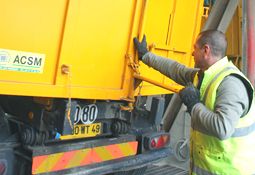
(64,160)
(115,151)
(133,145)
(87,158)
(95,157)
(37,161)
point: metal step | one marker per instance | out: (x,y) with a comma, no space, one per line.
(165,170)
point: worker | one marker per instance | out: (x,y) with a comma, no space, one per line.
(220,103)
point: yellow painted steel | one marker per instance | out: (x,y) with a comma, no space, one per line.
(88,45)
(170,88)
(31,26)
(172,36)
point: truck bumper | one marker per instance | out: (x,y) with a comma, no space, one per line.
(100,156)
(125,164)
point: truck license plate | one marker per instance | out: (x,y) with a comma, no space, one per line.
(82,131)
(89,130)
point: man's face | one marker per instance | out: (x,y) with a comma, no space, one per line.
(198,54)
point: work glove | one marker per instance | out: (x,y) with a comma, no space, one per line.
(141,47)
(190,96)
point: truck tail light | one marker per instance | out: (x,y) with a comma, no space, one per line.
(156,141)
(2,168)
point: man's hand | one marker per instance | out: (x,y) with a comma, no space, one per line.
(190,96)
(141,47)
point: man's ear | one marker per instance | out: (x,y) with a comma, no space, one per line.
(207,49)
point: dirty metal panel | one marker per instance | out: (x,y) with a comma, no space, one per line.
(165,170)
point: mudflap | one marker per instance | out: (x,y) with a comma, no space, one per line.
(13,159)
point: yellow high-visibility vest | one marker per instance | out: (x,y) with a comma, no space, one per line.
(232,156)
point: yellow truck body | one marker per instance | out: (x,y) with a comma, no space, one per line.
(94,39)
(71,96)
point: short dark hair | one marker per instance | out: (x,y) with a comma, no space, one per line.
(216,40)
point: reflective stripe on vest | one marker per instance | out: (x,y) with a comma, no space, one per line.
(239,132)
(214,79)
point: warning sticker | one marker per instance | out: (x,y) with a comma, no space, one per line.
(14,60)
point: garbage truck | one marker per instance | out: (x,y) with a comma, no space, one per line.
(74,99)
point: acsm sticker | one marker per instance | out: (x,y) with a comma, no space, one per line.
(14,60)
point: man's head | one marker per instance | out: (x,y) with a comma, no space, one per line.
(210,46)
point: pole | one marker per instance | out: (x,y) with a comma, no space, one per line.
(251,40)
